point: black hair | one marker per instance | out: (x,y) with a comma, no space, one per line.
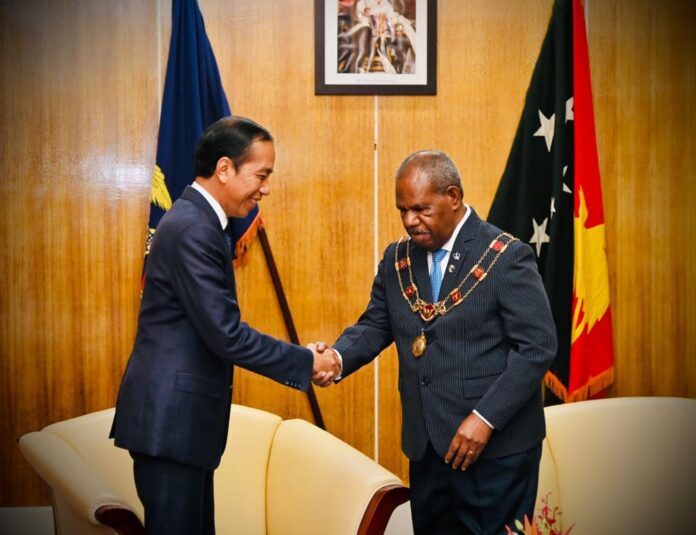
(230,136)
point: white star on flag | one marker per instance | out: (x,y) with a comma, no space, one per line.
(570,114)
(553,207)
(546,128)
(566,189)
(539,237)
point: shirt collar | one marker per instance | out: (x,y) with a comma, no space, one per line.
(212,202)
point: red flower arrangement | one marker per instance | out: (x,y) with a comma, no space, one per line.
(545,523)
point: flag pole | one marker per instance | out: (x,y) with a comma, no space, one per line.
(287,317)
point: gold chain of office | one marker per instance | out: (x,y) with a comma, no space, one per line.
(479,271)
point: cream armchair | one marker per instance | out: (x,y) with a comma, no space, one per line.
(622,465)
(276,477)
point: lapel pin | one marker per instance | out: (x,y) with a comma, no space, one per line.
(456,256)
(450,268)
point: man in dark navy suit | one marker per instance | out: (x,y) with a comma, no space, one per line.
(173,406)
(466,307)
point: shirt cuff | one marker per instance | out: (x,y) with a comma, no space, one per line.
(489,424)
(340,361)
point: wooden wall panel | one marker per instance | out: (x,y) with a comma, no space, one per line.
(77,126)
(486,55)
(644,76)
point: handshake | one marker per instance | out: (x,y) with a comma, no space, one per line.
(327,364)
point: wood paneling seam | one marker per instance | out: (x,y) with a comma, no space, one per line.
(375,206)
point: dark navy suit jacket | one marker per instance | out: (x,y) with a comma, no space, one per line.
(174,400)
(489,353)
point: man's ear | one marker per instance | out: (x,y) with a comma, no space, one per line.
(455,196)
(225,169)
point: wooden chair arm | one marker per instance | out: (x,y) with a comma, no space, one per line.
(380,509)
(122,520)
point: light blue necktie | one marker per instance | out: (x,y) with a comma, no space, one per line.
(436,273)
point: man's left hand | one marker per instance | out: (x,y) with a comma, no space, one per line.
(468,442)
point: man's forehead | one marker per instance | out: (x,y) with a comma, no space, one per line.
(262,155)
(414,182)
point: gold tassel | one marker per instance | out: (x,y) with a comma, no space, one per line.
(595,385)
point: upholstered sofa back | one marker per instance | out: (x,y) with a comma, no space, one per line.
(240,480)
(622,465)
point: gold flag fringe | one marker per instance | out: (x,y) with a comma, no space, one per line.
(243,243)
(592,387)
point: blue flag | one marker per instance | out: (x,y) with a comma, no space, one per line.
(193,99)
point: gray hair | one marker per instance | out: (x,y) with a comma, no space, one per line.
(437,166)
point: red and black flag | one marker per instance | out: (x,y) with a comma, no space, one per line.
(550,196)
(193,99)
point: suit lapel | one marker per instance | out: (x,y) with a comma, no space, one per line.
(419,258)
(190,194)
(460,251)
(196,198)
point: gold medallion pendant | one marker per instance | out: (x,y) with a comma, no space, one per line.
(418,345)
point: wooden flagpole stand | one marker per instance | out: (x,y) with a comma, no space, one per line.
(287,317)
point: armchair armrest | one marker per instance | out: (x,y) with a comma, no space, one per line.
(318,484)
(77,485)
(381,507)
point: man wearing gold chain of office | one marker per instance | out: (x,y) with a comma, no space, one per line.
(466,307)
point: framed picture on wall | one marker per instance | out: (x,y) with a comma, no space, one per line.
(375,47)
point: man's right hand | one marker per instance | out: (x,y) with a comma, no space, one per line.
(326,364)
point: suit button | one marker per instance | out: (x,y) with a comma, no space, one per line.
(425,381)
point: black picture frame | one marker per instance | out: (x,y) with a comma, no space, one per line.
(346,77)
